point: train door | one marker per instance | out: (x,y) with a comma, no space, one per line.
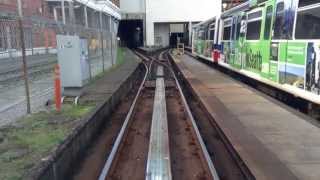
(211,38)
(282,51)
(269,53)
(226,37)
(240,38)
(237,44)
(307,28)
(252,42)
(233,43)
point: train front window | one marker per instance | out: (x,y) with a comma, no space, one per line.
(308,23)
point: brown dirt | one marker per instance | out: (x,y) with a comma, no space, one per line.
(186,156)
(132,157)
(225,164)
(97,155)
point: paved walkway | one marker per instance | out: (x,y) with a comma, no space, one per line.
(107,85)
(273,141)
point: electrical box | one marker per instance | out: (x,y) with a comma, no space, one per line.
(74,64)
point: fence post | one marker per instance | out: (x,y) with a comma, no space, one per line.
(111,39)
(31,37)
(23,49)
(89,59)
(101,37)
(9,41)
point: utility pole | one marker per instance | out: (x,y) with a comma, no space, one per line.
(24,61)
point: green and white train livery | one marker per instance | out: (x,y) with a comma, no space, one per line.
(277,41)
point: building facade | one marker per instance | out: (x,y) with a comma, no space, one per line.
(44,19)
(158,17)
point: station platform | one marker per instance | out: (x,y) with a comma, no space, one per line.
(105,86)
(273,140)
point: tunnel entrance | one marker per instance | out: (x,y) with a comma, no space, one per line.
(131,33)
(179,32)
(174,39)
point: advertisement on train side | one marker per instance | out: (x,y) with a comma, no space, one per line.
(279,40)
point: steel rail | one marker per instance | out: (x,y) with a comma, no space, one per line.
(17,77)
(105,171)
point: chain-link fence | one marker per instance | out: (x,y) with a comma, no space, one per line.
(41,52)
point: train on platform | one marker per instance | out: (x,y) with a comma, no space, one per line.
(276,42)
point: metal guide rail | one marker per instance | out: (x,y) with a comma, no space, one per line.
(158,165)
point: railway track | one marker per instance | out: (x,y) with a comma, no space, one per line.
(161,136)
(13,70)
(34,71)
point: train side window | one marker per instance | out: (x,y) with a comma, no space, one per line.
(253,30)
(308,23)
(233,29)
(307,2)
(254,26)
(211,34)
(226,33)
(227,29)
(267,27)
(211,31)
(238,28)
(279,24)
(201,35)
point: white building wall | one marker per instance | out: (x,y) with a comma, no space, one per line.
(161,34)
(132,6)
(178,11)
(177,28)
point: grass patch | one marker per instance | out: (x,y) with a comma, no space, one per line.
(25,143)
(119,61)
(120,56)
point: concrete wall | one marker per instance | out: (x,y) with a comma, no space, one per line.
(132,6)
(161,34)
(177,28)
(178,11)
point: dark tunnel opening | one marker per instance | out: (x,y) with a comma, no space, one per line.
(131,33)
